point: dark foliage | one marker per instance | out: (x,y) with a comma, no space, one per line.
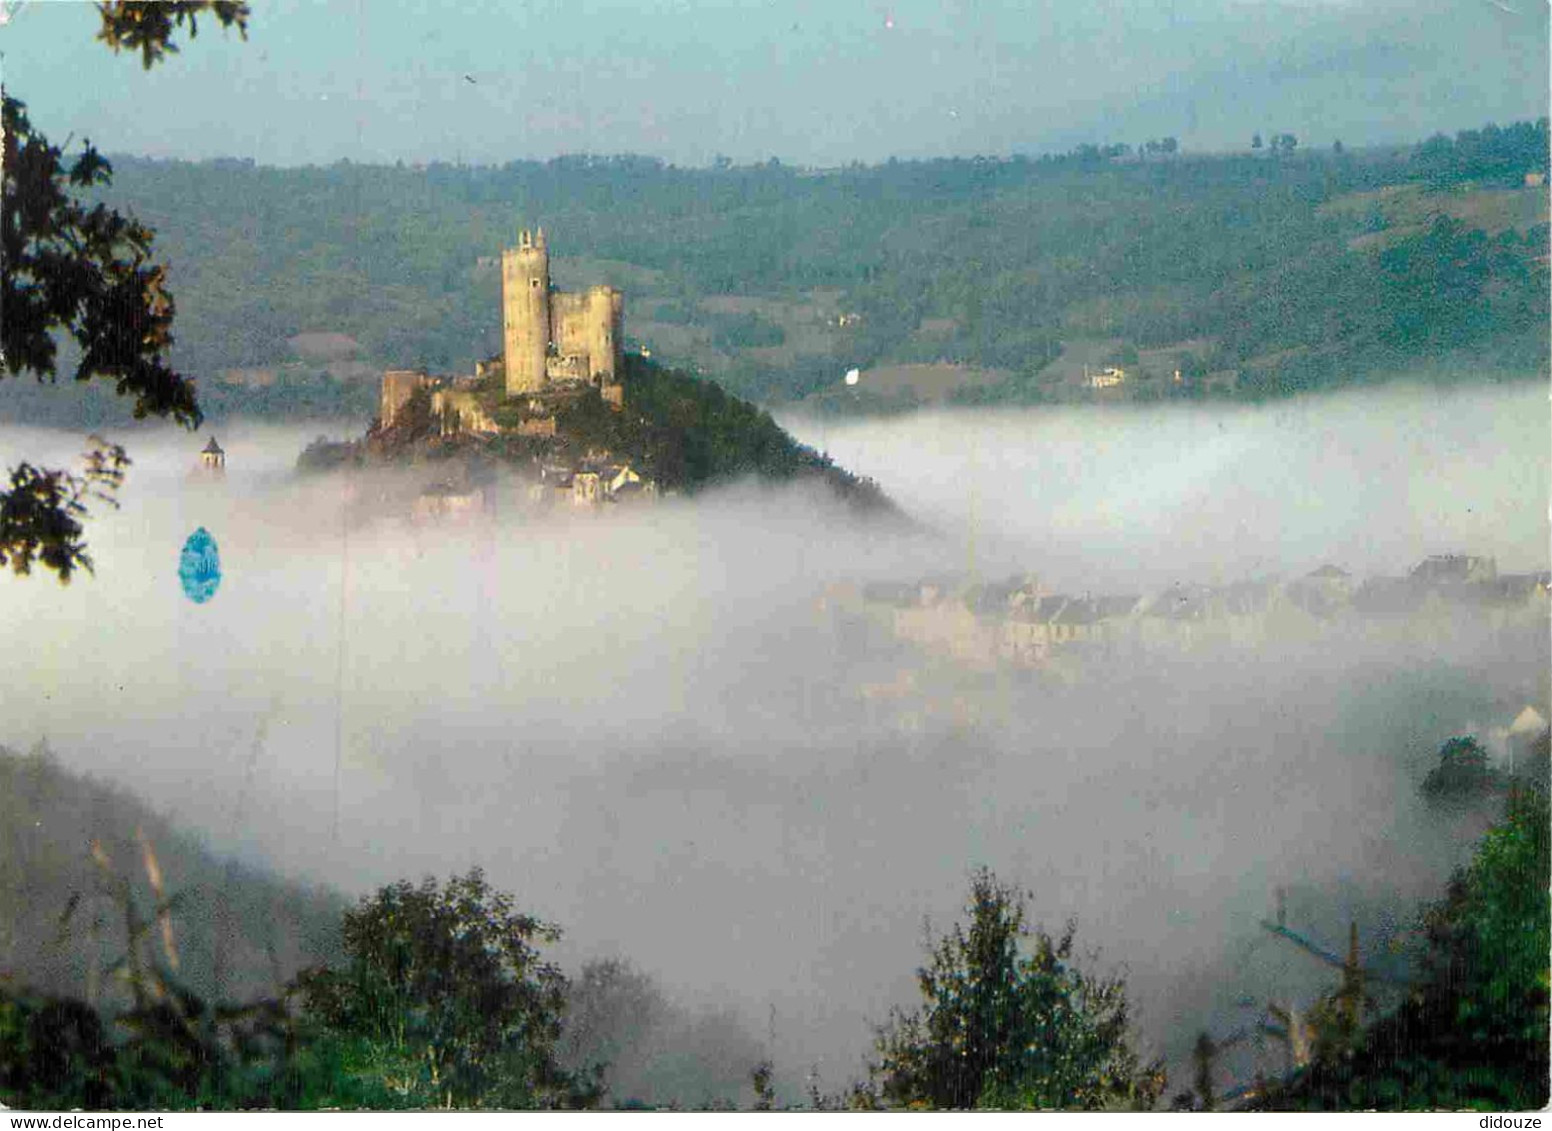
(41,512)
(147,26)
(689,434)
(1474,1031)
(445,987)
(154,1043)
(1463,771)
(1001,1029)
(84,273)
(1491,155)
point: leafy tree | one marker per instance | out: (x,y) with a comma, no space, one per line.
(647,1052)
(446,988)
(40,515)
(611,1010)
(1001,1029)
(1491,154)
(85,274)
(1463,770)
(147,26)
(1474,1032)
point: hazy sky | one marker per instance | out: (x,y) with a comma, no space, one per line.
(810,82)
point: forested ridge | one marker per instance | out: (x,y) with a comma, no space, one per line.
(1270,271)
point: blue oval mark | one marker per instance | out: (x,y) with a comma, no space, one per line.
(199,567)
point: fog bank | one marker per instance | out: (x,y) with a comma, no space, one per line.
(643,725)
(1147,495)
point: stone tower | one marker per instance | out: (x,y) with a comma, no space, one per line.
(212,458)
(605,315)
(525,312)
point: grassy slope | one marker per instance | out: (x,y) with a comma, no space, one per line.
(264,928)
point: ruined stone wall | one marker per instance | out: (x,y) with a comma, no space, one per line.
(587,328)
(536,426)
(459,412)
(568,315)
(567,367)
(399,386)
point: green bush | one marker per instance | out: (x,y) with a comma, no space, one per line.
(1001,1029)
(1463,771)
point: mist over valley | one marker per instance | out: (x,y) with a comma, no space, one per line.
(901,558)
(653,727)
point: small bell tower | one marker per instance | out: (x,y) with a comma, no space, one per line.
(212,459)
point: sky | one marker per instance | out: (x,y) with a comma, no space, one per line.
(810,82)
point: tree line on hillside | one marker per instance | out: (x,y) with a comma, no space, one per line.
(1490,155)
(1010,257)
(440,997)
(692,434)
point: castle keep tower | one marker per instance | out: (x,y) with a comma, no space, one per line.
(525,313)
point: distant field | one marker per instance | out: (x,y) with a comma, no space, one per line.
(323,345)
(923,383)
(1406,210)
(574,273)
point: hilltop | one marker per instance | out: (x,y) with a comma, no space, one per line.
(677,432)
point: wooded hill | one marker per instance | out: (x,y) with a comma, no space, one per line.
(683,433)
(1273,270)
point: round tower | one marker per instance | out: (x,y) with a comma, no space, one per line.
(525,312)
(604,310)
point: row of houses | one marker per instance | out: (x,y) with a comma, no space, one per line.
(595,483)
(1019,621)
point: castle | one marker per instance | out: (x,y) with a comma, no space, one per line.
(551,336)
(554,344)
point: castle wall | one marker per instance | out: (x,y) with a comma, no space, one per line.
(459,411)
(536,426)
(587,326)
(569,312)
